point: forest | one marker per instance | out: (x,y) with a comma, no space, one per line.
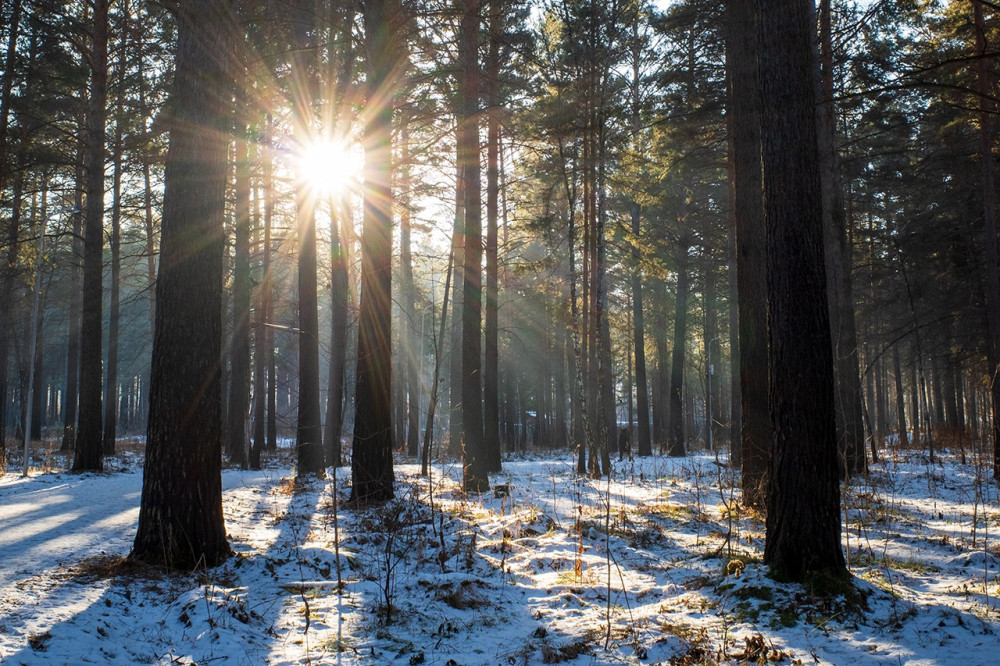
(499,332)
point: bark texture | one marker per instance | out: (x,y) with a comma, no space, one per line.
(180,517)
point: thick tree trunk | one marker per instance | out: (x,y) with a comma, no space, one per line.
(180,516)
(89,442)
(803,504)
(371,464)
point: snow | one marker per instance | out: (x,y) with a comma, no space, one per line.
(647,567)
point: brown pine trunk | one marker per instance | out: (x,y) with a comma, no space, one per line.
(308,431)
(475,464)
(850,422)
(803,509)
(89,442)
(114,307)
(491,360)
(751,277)
(371,464)
(7,276)
(180,515)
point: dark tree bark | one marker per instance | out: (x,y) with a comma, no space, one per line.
(339,279)
(491,357)
(991,255)
(371,464)
(475,464)
(309,429)
(803,503)
(114,306)
(7,276)
(745,115)
(180,517)
(89,442)
(676,447)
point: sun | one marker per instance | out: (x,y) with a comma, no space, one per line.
(329,167)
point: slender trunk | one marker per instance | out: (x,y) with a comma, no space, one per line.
(850,423)
(267,294)
(992,256)
(425,456)
(308,432)
(751,235)
(71,397)
(900,400)
(677,447)
(239,375)
(7,274)
(475,464)
(491,360)
(114,307)
(89,435)
(455,347)
(408,333)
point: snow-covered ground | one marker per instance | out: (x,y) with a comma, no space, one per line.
(658,565)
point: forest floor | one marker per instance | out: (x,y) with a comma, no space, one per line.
(659,564)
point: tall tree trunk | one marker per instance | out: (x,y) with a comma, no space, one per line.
(432,400)
(267,293)
(340,296)
(89,442)
(712,348)
(455,434)
(371,464)
(71,397)
(7,275)
(803,509)
(309,431)
(180,515)
(751,236)
(491,360)
(114,307)
(475,465)
(259,409)
(992,256)
(850,422)
(239,375)
(411,347)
